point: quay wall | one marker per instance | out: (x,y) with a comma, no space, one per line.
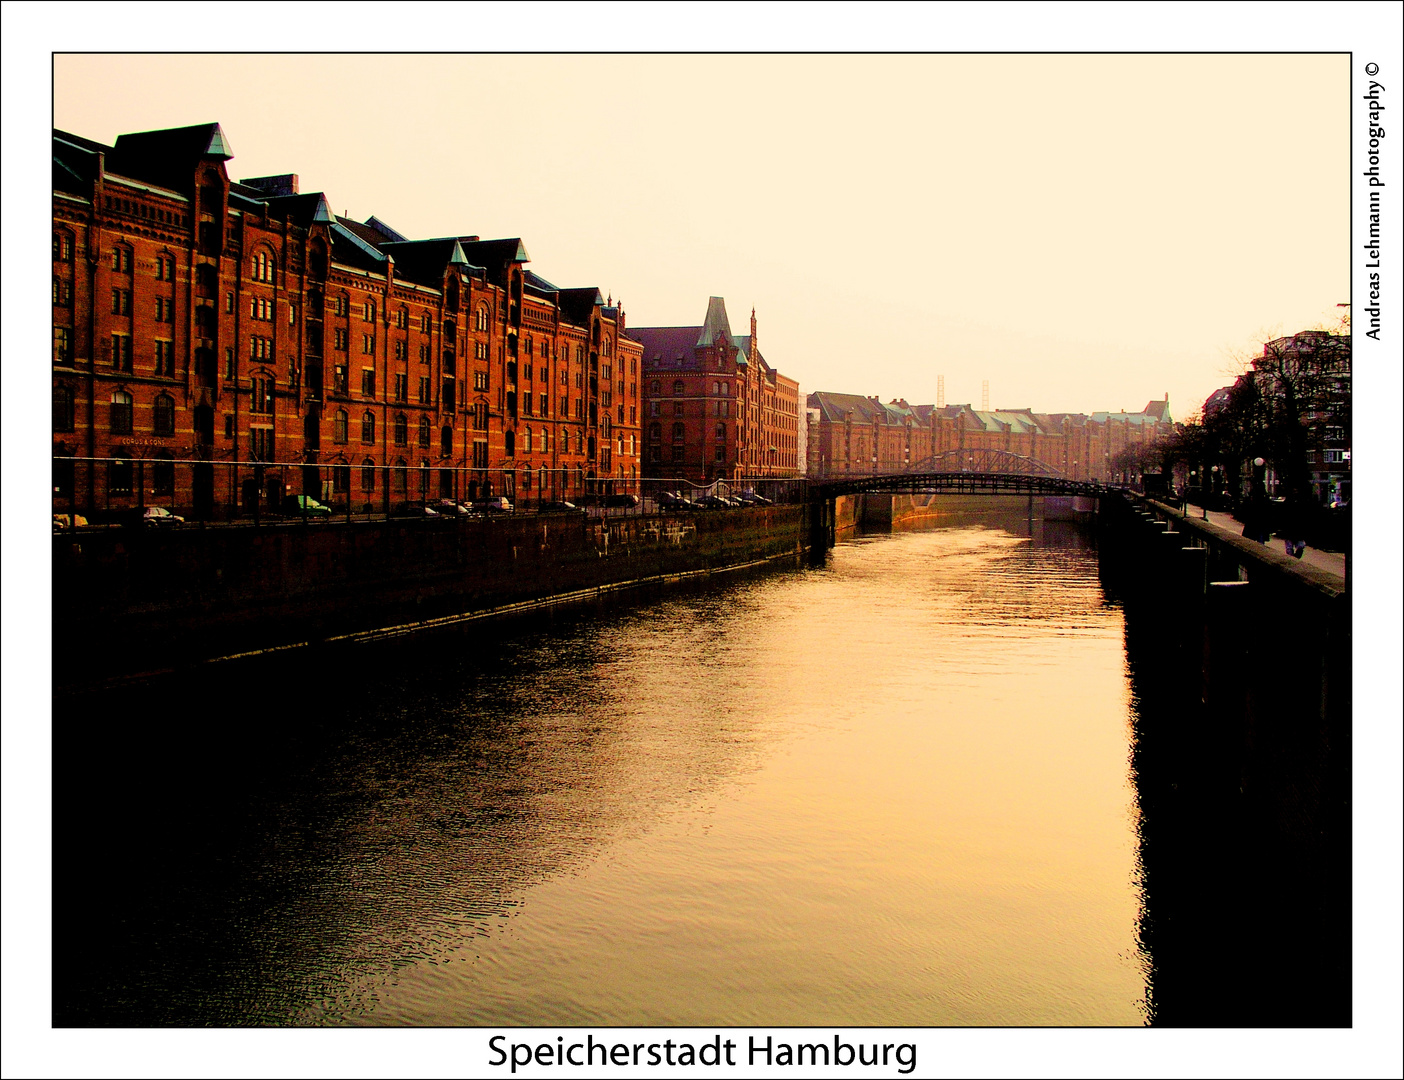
(1240,663)
(156,599)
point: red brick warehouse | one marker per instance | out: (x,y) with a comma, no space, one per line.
(220,343)
(716,409)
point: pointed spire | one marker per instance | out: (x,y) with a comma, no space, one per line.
(456,257)
(218,145)
(717,326)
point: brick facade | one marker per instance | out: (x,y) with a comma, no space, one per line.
(218,343)
(852,435)
(715,409)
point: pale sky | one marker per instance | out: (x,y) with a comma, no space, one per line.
(1085,232)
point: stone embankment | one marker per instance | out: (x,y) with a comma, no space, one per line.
(149,600)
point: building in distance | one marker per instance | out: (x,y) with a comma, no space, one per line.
(853,435)
(715,408)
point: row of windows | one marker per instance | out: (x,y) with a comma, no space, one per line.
(120,412)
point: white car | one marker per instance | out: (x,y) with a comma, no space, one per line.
(159,515)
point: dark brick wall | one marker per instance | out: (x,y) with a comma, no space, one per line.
(129,601)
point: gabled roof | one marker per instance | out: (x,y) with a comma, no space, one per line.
(169,156)
(536,281)
(576,305)
(495,256)
(1159,410)
(837,407)
(424,261)
(384,230)
(75,163)
(667,343)
(301,210)
(350,250)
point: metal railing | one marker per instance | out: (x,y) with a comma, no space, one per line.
(104,491)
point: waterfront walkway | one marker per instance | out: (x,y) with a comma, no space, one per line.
(1333,562)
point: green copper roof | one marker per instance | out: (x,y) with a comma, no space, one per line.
(716,327)
(219,145)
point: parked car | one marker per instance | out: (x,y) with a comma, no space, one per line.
(750,498)
(670,500)
(449,508)
(69,521)
(305,506)
(713,502)
(160,517)
(621,499)
(498,504)
(559,508)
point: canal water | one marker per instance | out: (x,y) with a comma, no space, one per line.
(895,789)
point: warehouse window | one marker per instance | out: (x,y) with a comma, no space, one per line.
(121,413)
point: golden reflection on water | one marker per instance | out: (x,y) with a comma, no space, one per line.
(893,791)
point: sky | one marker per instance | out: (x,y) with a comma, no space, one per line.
(1087,230)
(1084,232)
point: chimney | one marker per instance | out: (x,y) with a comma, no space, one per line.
(273,186)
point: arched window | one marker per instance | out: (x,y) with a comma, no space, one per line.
(721,433)
(63,246)
(121,259)
(163,416)
(121,413)
(369,313)
(653,387)
(63,407)
(446,442)
(677,386)
(402,318)
(340,431)
(482,323)
(262,266)
(424,432)
(526,441)
(655,432)
(401,476)
(341,479)
(368,475)
(401,430)
(368,427)
(678,432)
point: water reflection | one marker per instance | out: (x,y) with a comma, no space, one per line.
(891,790)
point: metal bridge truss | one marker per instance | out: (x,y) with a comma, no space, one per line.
(983,461)
(961,483)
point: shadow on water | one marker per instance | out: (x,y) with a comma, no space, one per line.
(1244,828)
(256,842)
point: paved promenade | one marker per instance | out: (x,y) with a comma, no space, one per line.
(1333,562)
